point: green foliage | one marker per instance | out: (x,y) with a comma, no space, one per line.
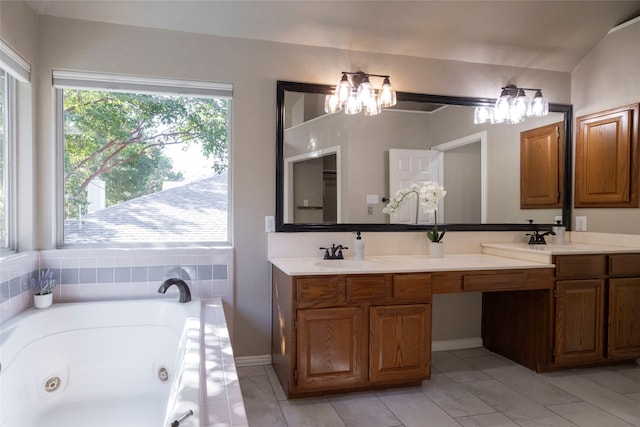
(119,137)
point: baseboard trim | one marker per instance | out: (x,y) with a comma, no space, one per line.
(457,344)
(264,359)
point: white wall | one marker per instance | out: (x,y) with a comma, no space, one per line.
(253,67)
(609,77)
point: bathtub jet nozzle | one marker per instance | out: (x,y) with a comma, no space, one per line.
(185,293)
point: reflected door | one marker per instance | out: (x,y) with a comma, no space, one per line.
(408,167)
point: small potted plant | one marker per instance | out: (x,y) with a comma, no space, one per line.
(43,289)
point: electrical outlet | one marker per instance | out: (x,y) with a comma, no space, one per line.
(269,224)
(557,219)
(581,223)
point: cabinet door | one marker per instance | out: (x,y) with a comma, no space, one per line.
(624,318)
(579,321)
(400,342)
(332,345)
(541,167)
(607,169)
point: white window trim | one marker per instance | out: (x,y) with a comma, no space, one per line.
(14,64)
(10,172)
(66,79)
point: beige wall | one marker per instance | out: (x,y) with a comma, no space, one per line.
(253,67)
(609,77)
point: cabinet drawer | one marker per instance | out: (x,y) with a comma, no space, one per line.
(580,266)
(494,282)
(411,286)
(368,287)
(321,291)
(624,265)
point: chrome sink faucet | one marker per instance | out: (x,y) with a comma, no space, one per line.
(185,293)
(334,252)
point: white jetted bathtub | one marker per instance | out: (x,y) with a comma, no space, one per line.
(99,364)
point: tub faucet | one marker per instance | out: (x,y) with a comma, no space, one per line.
(185,293)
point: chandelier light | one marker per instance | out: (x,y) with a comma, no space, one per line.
(357,94)
(513,106)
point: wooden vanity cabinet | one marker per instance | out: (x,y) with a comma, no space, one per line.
(597,309)
(624,307)
(349,332)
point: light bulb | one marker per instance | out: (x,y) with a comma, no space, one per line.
(387,97)
(502,110)
(365,91)
(373,107)
(343,89)
(482,115)
(539,106)
(353,105)
(332,104)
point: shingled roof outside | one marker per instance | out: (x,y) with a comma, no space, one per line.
(195,212)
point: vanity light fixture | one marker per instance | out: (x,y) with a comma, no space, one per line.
(358,94)
(513,106)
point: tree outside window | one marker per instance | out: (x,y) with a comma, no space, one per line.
(125,147)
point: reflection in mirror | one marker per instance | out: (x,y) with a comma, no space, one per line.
(334,170)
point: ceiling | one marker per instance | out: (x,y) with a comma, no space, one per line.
(550,35)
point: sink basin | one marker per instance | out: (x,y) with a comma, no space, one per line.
(346,263)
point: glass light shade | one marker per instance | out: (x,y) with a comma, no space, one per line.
(373,107)
(539,106)
(521,104)
(387,97)
(365,92)
(332,104)
(483,115)
(502,110)
(353,105)
(343,89)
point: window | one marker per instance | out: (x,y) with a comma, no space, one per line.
(144,163)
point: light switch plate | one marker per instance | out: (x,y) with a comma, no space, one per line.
(269,224)
(581,223)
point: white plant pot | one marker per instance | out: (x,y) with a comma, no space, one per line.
(42,301)
(436,250)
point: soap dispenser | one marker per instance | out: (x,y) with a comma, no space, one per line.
(558,239)
(358,247)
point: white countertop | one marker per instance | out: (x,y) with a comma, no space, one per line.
(401,264)
(567,249)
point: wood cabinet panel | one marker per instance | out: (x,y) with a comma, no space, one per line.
(494,282)
(580,266)
(325,291)
(361,288)
(607,173)
(332,348)
(541,167)
(624,318)
(624,265)
(579,321)
(400,342)
(411,286)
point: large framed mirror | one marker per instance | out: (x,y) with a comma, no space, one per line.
(333,171)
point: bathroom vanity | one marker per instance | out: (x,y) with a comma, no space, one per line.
(351,325)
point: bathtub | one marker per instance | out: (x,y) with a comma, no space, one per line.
(98,364)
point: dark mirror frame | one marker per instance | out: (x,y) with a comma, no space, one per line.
(284,86)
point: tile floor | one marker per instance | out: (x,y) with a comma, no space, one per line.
(471,387)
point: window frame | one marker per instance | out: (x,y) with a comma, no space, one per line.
(9,244)
(64,79)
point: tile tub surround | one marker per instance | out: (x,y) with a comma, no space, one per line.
(92,274)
